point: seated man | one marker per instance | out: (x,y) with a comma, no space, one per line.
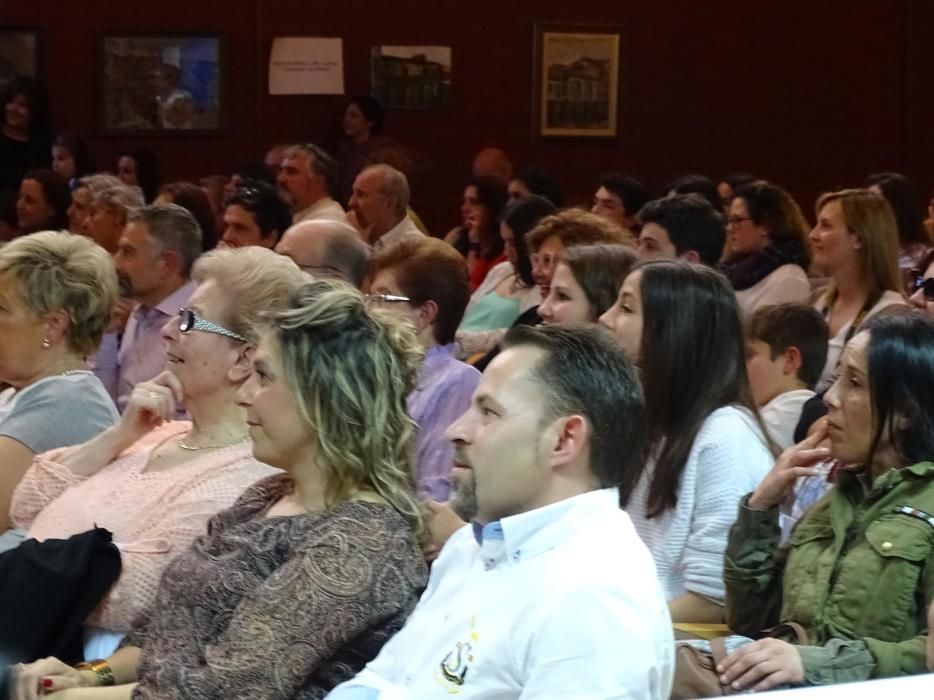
(619,199)
(550,592)
(379,206)
(307,177)
(254,214)
(328,248)
(682,226)
(786,348)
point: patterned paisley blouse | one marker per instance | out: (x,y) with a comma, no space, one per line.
(281,607)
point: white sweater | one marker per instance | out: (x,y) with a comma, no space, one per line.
(727,460)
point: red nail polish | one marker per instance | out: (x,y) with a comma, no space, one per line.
(46,682)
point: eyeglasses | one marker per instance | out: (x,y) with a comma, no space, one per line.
(926,286)
(188,320)
(737,220)
(547,260)
(381,299)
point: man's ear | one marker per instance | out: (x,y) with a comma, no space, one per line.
(792,363)
(572,438)
(427,314)
(242,368)
(171,261)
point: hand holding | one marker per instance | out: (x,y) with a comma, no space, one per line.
(47,676)
(762,665)
(795,462)
(151,404)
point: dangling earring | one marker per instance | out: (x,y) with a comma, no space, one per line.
(46,343)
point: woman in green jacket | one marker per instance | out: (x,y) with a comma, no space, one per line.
(858,570)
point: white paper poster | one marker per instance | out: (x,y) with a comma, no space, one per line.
(301,65)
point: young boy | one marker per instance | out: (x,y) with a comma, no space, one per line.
(786,348)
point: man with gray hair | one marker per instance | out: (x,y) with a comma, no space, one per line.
(328,248)
(157,249)
(307,177)
(378,206)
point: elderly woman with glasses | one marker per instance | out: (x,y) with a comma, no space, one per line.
(152,481)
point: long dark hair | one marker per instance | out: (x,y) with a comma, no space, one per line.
(78,148)
(522,216)
(901,383)
(34,92)
(902,196)
(492,194)
(148,173)
(692,360)
(57,196)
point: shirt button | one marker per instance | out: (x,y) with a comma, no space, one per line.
(516,555)
(887,546)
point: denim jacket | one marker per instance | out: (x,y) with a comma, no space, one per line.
(857,573)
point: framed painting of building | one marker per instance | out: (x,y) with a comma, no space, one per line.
(160,83)
(575,81)
(412,77)
(19,54)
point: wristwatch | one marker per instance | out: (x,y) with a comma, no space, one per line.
(105,674)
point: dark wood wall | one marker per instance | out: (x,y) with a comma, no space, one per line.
(812,94)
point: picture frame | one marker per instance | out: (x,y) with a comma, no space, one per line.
(19,54)
(159,83)
(575,81)
(411,77)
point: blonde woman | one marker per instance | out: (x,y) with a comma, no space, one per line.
(56,292)
(152,481)
(855,242)
(325,558)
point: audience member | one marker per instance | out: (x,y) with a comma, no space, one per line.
(25,136)
(549,592)
(855,242)
(378,206)
(214,187)
(913,239)
(728,186)
(478,238)
(696,184)
(322,562)
(855,573)
(680,324)
(922,297)
(82,197)
(786,348)
(171,476)
(361,125)
(619,199)
(538,181)
(248,171)
(157,250)
(682,226)
(586,283)
(308,179)
(107,214)
(43,202)
(767,255)
(492,162)
(255,214)
(273,159)
(140,169)
(56,292)
(426,281)
(71,157)
(327,249)
(193,199)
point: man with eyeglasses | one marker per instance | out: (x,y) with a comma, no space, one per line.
(328,249)
(307,177)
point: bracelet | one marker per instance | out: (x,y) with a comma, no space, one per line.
(101,668)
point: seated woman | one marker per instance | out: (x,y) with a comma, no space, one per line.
(478,239)
(154,484)
(426,281)
(56,293)
(767,254)
(856,573)
(586,283)
(298,585)
(43,202)
(680,324)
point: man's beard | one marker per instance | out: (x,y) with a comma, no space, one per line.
(463,499)
(125,286)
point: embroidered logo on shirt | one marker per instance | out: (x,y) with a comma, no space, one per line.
(456,663)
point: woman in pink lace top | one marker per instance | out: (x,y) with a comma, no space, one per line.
(153,483)
(301,582)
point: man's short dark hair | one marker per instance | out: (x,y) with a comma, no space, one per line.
(696,184)
(786,326)
(584,372)
(632,193)
(263,201)
(691,224)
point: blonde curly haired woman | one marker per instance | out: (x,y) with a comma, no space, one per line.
(299,584)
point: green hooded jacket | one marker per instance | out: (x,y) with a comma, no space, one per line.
(857,572)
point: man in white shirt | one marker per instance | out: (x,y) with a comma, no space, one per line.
(549,593)
(378,206)
(307,177)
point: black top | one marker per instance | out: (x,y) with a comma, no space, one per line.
(19,157)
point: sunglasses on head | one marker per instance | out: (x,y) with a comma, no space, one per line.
(926,286)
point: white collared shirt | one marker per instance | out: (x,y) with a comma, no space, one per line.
(404,228)
(560,602)
(325,208)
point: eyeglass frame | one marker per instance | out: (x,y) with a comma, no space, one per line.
(196,323)
(380,299)
(737,220)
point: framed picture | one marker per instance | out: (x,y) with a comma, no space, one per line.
(19,54)
(576,81)
(412,77)
(158,83)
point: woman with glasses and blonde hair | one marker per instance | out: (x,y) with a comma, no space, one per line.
(855,242)
(152,481)
(298,585)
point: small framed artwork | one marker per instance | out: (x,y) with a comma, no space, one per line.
(412,77)
(19,54)
(575,81)
(159,83)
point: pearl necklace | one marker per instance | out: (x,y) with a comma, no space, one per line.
(195,448)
